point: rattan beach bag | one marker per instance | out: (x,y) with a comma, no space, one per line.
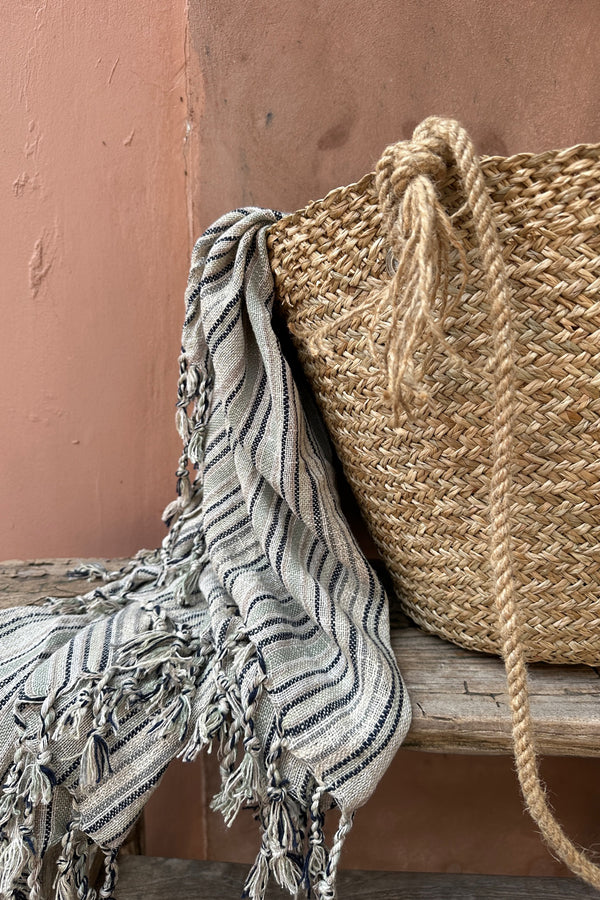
(446,311)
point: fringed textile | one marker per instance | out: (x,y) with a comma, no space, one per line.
(258,625)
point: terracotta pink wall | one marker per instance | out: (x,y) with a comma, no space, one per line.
(282,101)
(301,97)
(430,813)
(94,250)
(296,98)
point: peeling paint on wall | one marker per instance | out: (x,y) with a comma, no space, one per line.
(41,260)
(94,234)
(32,141)
(194,101)
(20,183)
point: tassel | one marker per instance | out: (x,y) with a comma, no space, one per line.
(287,872)
(281,831)
(325,891)
(89,606)
(13,859)
(29,784)
(188,587)
(317,857)
(280,815)
(95,761)
(71,881)
(208,726)
(196,444)
(8,803)
(175,718)
(29,778)
(41,781)
(255,885)
(196,743)
(34,884)
(325,888)
(240,788)
(316,864)
(19,891)
(111,875)
(172,511)
(93,571)
(151,648)
(70,724)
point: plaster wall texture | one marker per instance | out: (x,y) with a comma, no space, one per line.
(302,97)
(94,253)
(127,128)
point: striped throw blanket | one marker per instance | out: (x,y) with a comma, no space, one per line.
(258,625)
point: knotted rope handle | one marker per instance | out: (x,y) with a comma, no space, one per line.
(420,234)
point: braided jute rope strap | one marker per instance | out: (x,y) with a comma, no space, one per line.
(421,234)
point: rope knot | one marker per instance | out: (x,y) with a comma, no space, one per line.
(421,233)
(276,793)
(401,164)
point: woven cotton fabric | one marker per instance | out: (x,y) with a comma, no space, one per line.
(258,625)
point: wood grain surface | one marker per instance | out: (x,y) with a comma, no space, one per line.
(147,878)
(460,704)
(458,696)
(29,581)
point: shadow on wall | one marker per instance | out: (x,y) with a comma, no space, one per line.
(430,813)
(296,99)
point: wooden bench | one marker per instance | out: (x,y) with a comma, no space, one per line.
(459,706)
(145,878)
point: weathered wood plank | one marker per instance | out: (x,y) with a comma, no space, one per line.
(460,703)
(458,697)
(147,878)
(27,581)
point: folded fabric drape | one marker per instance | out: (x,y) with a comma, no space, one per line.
(258,624)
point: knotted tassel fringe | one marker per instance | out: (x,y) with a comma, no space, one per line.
(162,668)
(72,877)
(95,761)
(159,668)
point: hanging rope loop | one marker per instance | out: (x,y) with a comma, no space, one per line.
(421,233)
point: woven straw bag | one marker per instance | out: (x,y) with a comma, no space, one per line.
(446,311)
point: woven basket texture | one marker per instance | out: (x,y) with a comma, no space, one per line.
(423,482)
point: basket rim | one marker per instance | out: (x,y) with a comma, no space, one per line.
(527,159)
